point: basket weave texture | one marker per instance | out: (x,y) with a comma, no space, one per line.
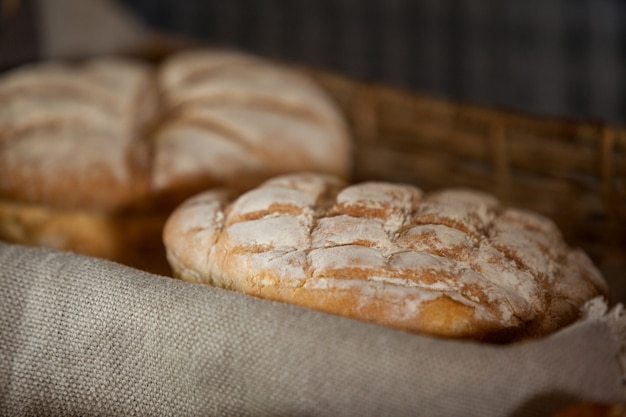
(571,171)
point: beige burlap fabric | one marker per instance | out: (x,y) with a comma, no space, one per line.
(80,336)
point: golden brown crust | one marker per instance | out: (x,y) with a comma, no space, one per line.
(453,263)
(129,239)
(116,139)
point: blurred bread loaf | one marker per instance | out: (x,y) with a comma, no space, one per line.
(234,119)
(452,263)
(94,155)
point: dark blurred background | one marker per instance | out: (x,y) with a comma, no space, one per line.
(555,57)
(558,57)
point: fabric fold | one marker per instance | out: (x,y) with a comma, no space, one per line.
(83,336)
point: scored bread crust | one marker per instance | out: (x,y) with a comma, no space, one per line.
(68,135)
(249,120)
(451,263)
(120,138)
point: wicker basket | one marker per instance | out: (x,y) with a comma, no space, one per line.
(571,171)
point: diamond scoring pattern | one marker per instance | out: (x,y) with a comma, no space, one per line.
(310,233)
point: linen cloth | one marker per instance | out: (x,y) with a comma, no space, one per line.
(84,336)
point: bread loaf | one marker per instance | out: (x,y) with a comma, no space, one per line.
(94,155)
(232,119)
(452,263)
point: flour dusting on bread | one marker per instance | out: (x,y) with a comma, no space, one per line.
(451,263)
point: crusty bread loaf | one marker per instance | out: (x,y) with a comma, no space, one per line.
(237,120)
(94,152)
(452,263)
(68,136)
